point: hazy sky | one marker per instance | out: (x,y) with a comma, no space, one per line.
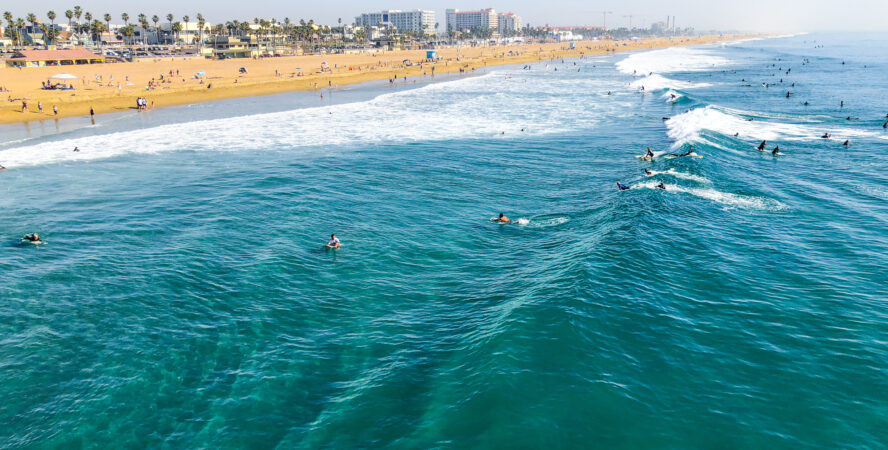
(751,15)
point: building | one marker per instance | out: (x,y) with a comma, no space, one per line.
(466,20)
(189,34)
(40,58)
(508,23)
(417,21)
(226,47)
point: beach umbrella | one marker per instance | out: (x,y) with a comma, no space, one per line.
(63,76)
(201,73)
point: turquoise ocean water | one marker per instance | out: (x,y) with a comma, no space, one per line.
(184,298)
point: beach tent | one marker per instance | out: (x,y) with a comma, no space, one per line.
(63,76)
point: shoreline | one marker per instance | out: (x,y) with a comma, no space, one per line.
(122,83)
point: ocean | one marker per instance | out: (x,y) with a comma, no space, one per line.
(184,297)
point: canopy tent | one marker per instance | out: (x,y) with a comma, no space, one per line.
(63,76)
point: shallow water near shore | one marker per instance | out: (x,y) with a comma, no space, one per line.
(184,297)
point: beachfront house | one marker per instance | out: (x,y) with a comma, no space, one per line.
(224,47)
(41,58)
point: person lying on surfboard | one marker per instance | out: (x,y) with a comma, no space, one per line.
(501,219)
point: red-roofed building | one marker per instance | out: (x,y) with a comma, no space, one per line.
(40,58)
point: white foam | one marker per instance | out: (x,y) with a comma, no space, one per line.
(546,222)
(686,128)
(682,175)
(469,108)
(724,198)
(673,59)
(657,82)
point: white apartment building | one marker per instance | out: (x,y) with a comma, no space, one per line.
(418,21)
(463,20)
(508,22)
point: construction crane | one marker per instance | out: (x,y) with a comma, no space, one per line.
(604,18)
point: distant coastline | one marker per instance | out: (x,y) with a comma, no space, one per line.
(108,88)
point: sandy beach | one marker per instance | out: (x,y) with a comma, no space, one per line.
(115,87)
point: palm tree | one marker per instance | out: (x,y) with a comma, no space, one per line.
(125,18)
(129,31)
(169,18)
(32,18)
(108,21)
(88,17)
(51,15)
(77,13)
(200,28)
(97,28)
(8,16)
(156,19)
(20,25)
(176,28)
(143,21)
(70,15)
(186,19)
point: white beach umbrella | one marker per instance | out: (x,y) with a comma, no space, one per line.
(63,76)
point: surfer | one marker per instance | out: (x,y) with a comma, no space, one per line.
(761,146)
(661,186)
(76,149)
(826,136)
(649,153)
(648,172)
(846,143)
(690,152)
(334,242)
(622,186)
(33,237)
(776,150)
(502,219)
(806,103)
(788,94)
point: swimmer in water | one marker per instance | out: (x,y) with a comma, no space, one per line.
(661,186)
(334,242)
(622,186)
(502,219)
(761,146)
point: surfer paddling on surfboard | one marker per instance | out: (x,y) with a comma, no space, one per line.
(501,219)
